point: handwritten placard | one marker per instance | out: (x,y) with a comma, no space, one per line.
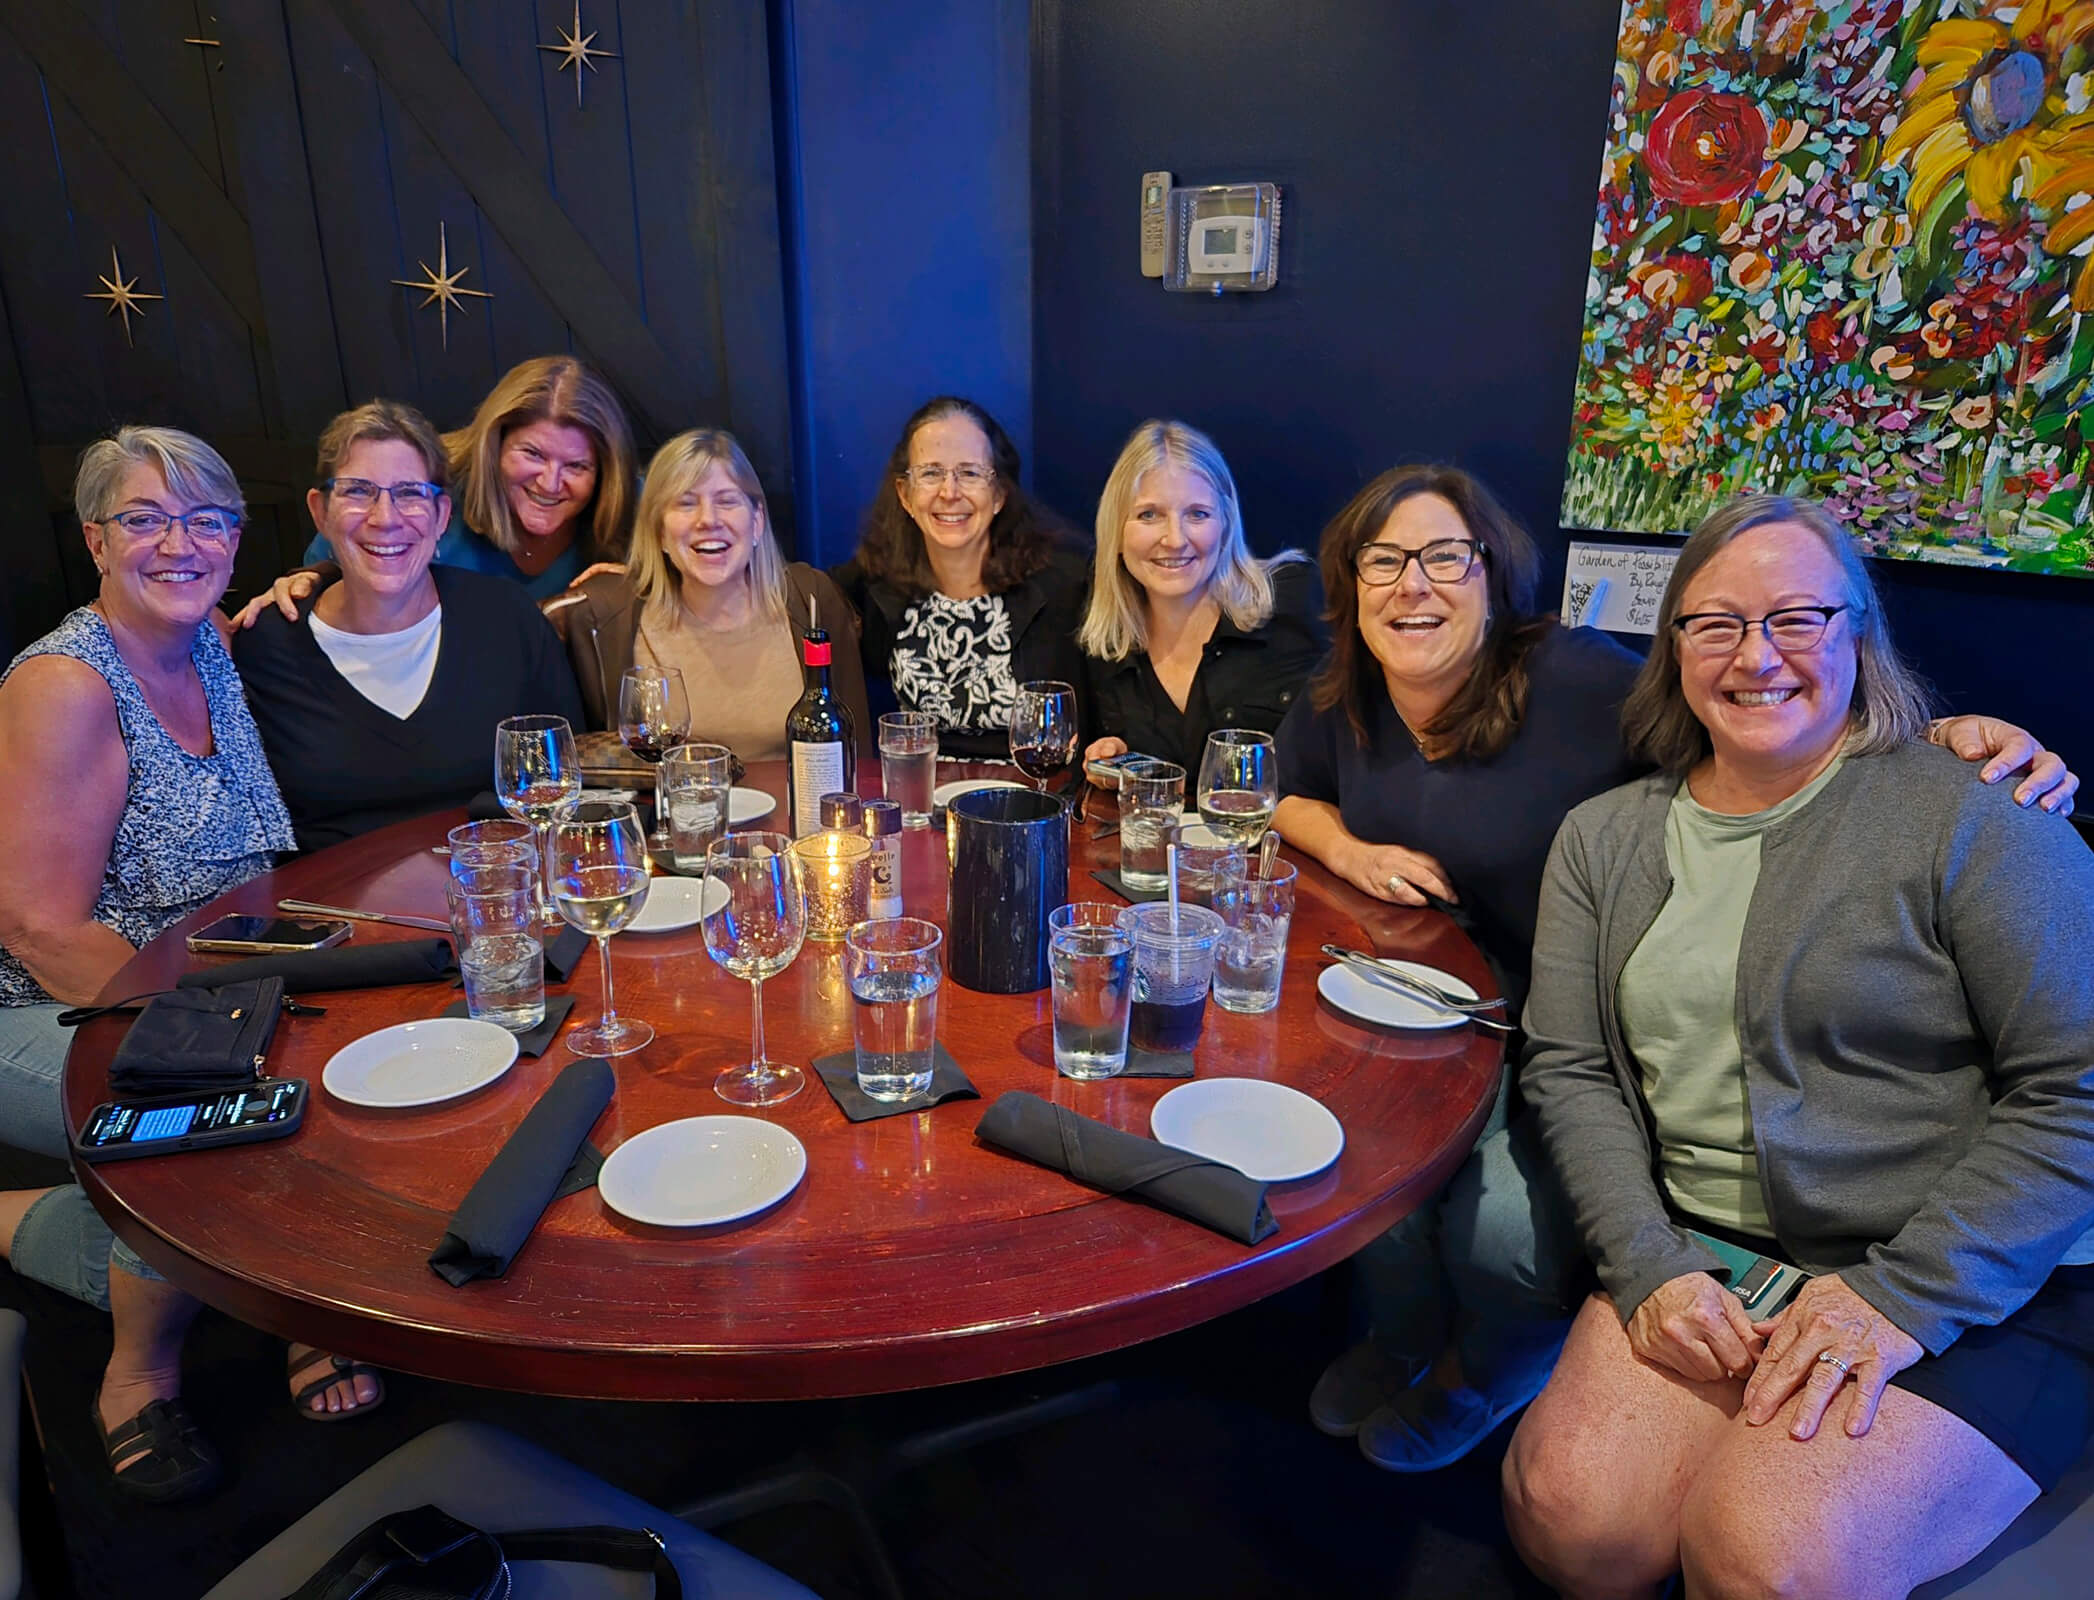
(1616,586)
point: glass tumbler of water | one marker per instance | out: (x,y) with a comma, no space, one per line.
(692,789)
(1205,855)
(494,921)
(1090,959)
(909,763)
(1173,965)
(894,969)
(1251,957)
(1151,797)
(496,843)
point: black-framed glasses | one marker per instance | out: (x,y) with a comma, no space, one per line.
(968,476)
(206,524)
(1793,630)
(411,497)
(1443,561)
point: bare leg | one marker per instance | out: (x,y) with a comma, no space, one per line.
(147,1321)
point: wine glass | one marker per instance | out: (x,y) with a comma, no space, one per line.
(599,872)
(654,715)
(755,933)
(1043,729)
(538,779)
(1239,783)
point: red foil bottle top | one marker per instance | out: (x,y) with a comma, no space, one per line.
(816,652)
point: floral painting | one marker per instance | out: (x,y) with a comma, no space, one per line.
(1842,250)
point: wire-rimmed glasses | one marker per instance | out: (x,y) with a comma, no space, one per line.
(599,873)
(755,932)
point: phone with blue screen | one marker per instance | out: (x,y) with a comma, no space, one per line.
(124,1129)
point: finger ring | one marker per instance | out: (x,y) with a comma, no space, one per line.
(1832,1360)
(1396,884)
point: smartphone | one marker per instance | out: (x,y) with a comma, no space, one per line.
(123,1129)
(1105,774)
(248,936)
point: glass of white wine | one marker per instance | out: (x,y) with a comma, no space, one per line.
(755,933)
(1239,783)
(599,870)
(538,779)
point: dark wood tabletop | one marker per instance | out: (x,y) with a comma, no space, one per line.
(911,1255)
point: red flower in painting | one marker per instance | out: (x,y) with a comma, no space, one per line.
(1832,340)
(1705,148)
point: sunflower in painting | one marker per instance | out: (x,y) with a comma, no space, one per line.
(2001,100)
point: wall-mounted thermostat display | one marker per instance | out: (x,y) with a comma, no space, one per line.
(1224,237)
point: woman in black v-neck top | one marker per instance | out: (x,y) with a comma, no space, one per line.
(380,702)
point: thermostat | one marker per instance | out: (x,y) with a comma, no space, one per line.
(1224,237)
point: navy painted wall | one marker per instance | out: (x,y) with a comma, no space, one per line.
(1439,160)
(903,142)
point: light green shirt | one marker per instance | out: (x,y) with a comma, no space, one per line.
(1679,1001)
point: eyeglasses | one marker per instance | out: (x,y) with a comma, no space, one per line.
(968,477)
(410,498)
(1443,561)
(206,524)
(1792,630)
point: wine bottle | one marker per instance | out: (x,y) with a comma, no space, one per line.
(820,742)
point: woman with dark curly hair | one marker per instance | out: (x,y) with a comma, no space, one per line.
(967,586)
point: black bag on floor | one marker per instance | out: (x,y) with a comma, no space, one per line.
(428,1554)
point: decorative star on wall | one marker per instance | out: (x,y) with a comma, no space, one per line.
(118,290)
(439,286)
(574,47)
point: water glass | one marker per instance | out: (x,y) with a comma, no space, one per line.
(835,873)
(1239,783)
(909,763)
(1173,964)
(1090,958)
(500,843)
(1204,855)
(494,918)
(894,971)
(1151,797)
(1252,955)
(692,790)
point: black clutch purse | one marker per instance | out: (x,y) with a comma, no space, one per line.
(190,1041)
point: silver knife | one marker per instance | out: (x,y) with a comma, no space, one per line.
(313,908)
(1402,983)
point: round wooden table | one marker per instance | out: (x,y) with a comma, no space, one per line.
(911,1255)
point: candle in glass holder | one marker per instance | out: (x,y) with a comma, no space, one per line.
(835,872)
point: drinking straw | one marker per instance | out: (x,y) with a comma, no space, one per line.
(1170,867)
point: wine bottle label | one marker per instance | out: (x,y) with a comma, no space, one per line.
(817,769)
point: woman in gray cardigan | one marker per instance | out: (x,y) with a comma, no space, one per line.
(1810,991)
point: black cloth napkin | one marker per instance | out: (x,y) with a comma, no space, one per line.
(1200,1190)
(348,966)
(839,1072)
(563,952)
(1110,877)
(1158,1064)
(531,1042)
(525,1176)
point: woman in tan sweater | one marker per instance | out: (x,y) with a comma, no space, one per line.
(707,592)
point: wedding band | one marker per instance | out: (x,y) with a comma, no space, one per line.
(1397,885)
(1832,1360)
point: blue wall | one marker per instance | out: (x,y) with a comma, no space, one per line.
(905,178)
(1438,162)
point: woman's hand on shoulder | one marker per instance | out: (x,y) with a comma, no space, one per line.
(284,594)
(1390,872)
(1825,1337)
(1694,1326)
(596,569)
(2006,749)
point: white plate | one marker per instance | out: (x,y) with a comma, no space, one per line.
(702,1170)
(419,1063)
(1266,1131)
(746,805)
(674,903)
(946,793)
(1389,1008)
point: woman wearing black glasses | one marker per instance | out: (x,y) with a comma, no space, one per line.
(380,702)
(1433,759)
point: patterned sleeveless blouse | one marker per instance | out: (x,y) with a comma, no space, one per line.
(192,826)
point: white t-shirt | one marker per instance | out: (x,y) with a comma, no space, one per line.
(391,670)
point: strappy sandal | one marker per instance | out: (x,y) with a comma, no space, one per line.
(340,1369)
(178,1462)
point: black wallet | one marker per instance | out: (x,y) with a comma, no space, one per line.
(187,1041)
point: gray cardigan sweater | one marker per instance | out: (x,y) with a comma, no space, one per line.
(1915,1005)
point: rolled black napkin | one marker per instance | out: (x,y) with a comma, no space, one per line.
(1112,880)
(349,966)
(1200,1190)
(503,1206)
(532,1041)
(839,1073)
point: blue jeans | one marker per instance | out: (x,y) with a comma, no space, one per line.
(1493,1263)
(62,1241)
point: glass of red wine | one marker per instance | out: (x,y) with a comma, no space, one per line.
(654,716)
(1043,729)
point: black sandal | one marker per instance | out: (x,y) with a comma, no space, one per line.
(340,1369)
(178,1462)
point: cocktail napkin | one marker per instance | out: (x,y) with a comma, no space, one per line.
(525,1176)
(1157,1064)
(349,966)
(1110,877)
(1200,1190)
(839,1074)
(563,951)
(532,1041)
